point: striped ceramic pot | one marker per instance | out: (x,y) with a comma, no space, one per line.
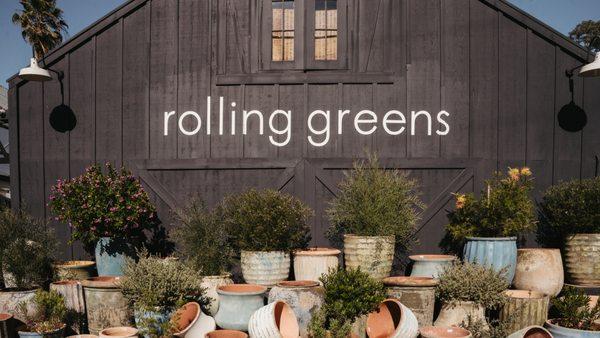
(393,320)
(275,320)
(496,252)
(524,308)
(372,254)
(265,267)
(311,264)
(582,259)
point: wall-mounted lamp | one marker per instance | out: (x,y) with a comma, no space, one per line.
(38,74)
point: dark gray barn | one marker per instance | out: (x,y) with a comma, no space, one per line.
(454,88)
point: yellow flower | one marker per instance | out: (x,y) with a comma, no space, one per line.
(460,201)
(525,171)
(513,173)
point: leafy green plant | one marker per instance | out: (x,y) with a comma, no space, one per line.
(203,239)
(569,208)
(572,310)
(374,201)
(468,282)
(49,312)
(488,328)
(266,220)
(504,209)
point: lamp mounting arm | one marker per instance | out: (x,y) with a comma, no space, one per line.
(569,72)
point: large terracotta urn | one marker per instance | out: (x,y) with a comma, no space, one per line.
(304,297)
(265,267)
(311,264)
(372,254)
(539,270)
(524,308)
(582,258)
(416,293)
(237,304)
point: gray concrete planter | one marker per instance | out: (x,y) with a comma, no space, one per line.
(372,254)
(106,306)
(582,259)
(416,293)
(524,308)
(72,291)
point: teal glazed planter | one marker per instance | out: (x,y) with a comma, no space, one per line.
(430,265)
(495,252)
(563,332)
(111,254)
(151,323)
(237,303)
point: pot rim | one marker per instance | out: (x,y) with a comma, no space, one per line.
(16,290)
(410,281)
(102,282)
(460,330)
(193,321)
(298,284)
(265,252)
(360,236)
(66,282)
(222,276)
(494,239)
(228,331)
(132,330)
(538,249)
(5,316)
(525,294)
(251,290)
(29,333)
(432,258)
(318,251)
(74,264)
(586,234)
(551,324)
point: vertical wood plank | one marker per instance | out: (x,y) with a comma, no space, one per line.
(228,145)
(325,98)
(591,141)
(15,157)
(386,98)
(356,97)
(263,99)
(292,98)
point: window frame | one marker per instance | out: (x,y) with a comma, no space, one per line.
(267,43)
(342,26)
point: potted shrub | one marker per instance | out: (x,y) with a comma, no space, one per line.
(467,290)
(106,211)
(46,319)
(155,288)
(204,241)
(490,226)
(574,315)
(569,215)
(266,226)
(350,295)
(374,212)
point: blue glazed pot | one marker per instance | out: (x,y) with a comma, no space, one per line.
(111,254)
(152,323)
(563,332)
(430,265)
(237,303)
(54,334)
(495,252)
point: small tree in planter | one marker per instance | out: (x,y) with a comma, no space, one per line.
(107,211)
(47,318)
(266,226)
(569,217)
(375,210)
(574,315)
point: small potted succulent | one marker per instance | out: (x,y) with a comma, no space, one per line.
(490,226)
(574,315)
(107,212)
(350,295)
(569,215)
(266,226)
(466,290)
(374,214)
(47,317)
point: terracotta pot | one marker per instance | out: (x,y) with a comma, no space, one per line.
(274,320)
(304,297)
(75,270)
(539,270)
(211,283)
(72,291)
(458,313)
(237,304)
(416,293)
(265,267)
(312,263)
(563,332)
(7,326)
(534,331)
(58,333)
(83,336)
(393,320)
(524,308)
(227,334)
(430,265)
(192,322)
(444,332)
(372,254)
(495,252)
(106,306)
(11,298)
(582,259)
(119,332)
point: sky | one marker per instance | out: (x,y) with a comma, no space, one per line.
(562,15)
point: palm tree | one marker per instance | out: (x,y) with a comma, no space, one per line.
(42,25)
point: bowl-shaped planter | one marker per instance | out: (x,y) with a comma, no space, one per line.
(495,252)
(539,270)
(119,332)
(534,331)
(72,291)
(416,293)
(192,322)
(304,297)
(150,323)
(393,320)
(563,332)
(7,327)
(111,254)
(274,320)
(430,265)
(58,333)
(372,254)
(237,304)
(265,267)
(211,283)
(311,264)
(444,332)
(524,308)
(454,314)
(11,298)
(105,304)
(582,259)
(226,334)
(77,270)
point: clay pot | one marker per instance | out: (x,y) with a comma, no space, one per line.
(393,320)
(534,331)
(444,332)
(430,265)
(58,333)
(582,259)
(312,263)
(72,291)
(11,298)
(227,334)
(119,332)
(265,267)
(563,332)
(304,297)
(75,270)
(192,322)
(372,254)
(524,308)
(210,283)
(106,306)
(494,252)
(539,270)
(458,312)
(274,320)
(237,304)
(83,336)
(416,293)
(7,327)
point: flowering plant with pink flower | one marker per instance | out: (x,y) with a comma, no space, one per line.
(98,204)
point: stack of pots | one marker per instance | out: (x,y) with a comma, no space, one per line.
(305,298)
(416,293)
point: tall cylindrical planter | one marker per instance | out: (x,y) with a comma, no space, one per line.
(430,265)
(75,270)
(312,263)
(534,331)
(11,299)
(111,254)
(106,306)
(211,283)
(393,320)
(237,302)
(524,308)
(372,254)
(498,253)
(304,297)
(416,293)
(72,291)
(265,267)
(453,314)
(563,332)
(274,320)
(582,258)
(7,327)
(539,270)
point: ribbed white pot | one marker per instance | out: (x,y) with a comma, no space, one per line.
(275,320)
(211,283)
(393,320)
(372,254)
(265,268)
(311,264)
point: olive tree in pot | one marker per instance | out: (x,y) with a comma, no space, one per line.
(374,214)
(574,315)
(569,215)
(490,226)
(108,212)
(47,317)
(266,226)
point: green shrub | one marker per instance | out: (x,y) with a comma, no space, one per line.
(569,208)
(266,220)
(203,239)
(373,201)
(49,312)
(467,282)
(572,310)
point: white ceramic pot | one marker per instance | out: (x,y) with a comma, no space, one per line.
(458,313)
(211,283)
(393,320)
(10,300)
(72,291)
(119,332)
(192,322)
(312,263)
(372,254)
(274,320)
(539,270)
(534,331)
(265,267)
(444,332)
